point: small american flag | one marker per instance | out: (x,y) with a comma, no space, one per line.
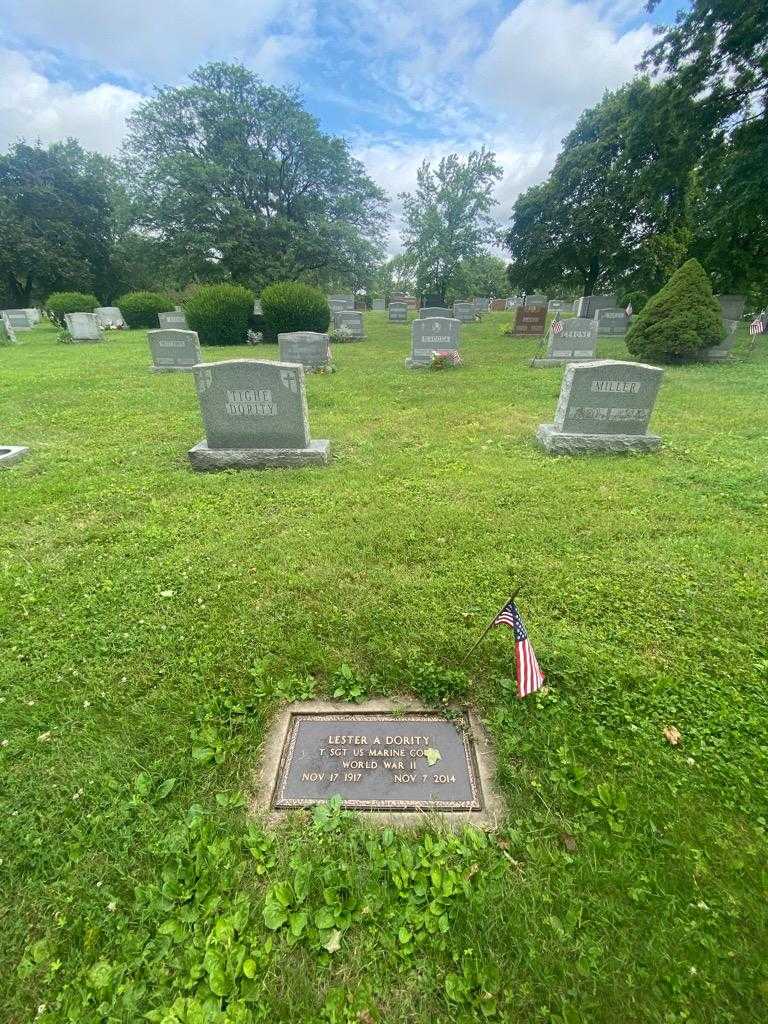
(629,311)
(757,326)
(529,676)
(557,325)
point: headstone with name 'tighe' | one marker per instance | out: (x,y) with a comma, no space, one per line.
(426,311)
(255,417)
(430,335)
(397,312)
(18,319)
(109,316)
(175,320)
(174,351)
(351,321)
(605,406)
(310,348)
(7,333)
(530,320)
(464,312)
(83,327)
(612,323)
(576,340)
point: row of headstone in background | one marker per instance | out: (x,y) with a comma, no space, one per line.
(430,335)
(352,320)
(83,326)
(255,417)
(18,319)
(605,406)
(577,341)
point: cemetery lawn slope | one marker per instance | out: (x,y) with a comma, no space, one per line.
(153,619)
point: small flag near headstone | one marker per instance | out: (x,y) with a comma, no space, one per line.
(629,311)
(529,676)
(757,326)
(557,325)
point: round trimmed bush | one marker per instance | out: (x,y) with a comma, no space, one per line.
(293,306)
(680,320)
(220,313)
(140,309)
(60,303)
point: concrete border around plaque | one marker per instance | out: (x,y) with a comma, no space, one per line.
(482,805)
(10,454)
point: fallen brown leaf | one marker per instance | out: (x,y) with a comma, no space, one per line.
(672,736)
(365,1017)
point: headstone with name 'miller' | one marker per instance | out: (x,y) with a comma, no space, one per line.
(352,321)
(174,351)
(33,315)
(109,316)
(588,305)
(378,305)
(530,321)
(397,312)
(430,335)
(464,312)
(18,319)
(255,417)
(605,406)
(612,323)
(577,341)
(7,333)
(310,348)
(83,326)
(175,320)
(426,311)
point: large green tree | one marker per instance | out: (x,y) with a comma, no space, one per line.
(448,217)
(482,275)
(55,221)
(237,180)
(612,212)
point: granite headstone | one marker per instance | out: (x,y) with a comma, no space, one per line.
(352,321)
(7,333)
(611,323)
(530,321)
(83,326)
(378,305)
(464,312)
(109,316)
(175,320)
(18,319)
(577,341)
(429,335)
(426,311)
(397,311)
(174,351)
(310,348)
(588,305)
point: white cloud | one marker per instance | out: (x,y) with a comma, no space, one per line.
(32,107)
(549,59)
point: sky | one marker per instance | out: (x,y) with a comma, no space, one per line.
(400,80)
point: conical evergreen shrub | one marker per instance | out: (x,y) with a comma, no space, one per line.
(680,321)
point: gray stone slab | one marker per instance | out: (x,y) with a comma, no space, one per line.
(300,768)
(556,442)
(352,320)
(109,316)
(34,316)
(310,348)
(7,333)
(257,310)
(174,320)
(11,453)
(378,305)
(18,319)
(398,312)
(588,305)
(535,300)
(83,326)
(464,312)
(431,311)
(612,323)
(432,334)
(514,302)
(732,306)
(559,306)
(577,341)
(174,351)
(205,459)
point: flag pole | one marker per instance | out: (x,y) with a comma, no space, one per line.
(489,627)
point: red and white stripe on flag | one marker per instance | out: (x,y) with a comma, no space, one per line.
(529,676)
(757,326)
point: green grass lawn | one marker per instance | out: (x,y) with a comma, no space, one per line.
(153,619)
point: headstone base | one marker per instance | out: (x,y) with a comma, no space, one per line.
(171,369)
(205,459)
(557,442)
(540,361)
(11,453)
(412,364)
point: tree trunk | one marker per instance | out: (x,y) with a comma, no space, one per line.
(20,294)
(590,278)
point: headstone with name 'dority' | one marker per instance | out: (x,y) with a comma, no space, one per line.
(498,305)
(426,311)
(611,323)
(464,312)
(605,406)
(174,351)
(559,306)
(352,321)
(397,312)
(378,305)
(577,341)
(430,335)
(109,316)
(33,315)
(310,348)
(530,320)
(588,305)
(7,333)
(255,417)
(83,326)
(176,320)
(18,319)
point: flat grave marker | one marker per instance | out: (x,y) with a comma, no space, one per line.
(605,406)
(309,348)
(175,320)
(174,351)
(429,335)
(11,454)
(255,417)
(577,341)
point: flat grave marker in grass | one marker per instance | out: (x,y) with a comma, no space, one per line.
(576,341)
(255,417)
(605,406)
(175,320)
(11,453)
(310,348)
(174,351)
(430,335)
